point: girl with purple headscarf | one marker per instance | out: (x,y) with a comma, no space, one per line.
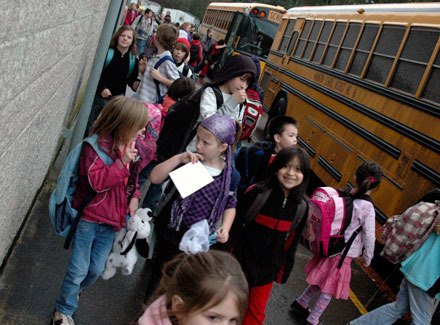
(214,203)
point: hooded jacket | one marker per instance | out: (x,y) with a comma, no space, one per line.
(110,205)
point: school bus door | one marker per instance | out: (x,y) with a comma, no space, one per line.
(233,37)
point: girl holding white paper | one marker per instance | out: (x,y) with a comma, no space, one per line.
(215,202)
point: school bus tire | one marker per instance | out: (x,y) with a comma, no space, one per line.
(279,108)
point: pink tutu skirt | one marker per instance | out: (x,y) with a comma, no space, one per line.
(323,272)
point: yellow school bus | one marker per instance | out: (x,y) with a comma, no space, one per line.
(247,28)
(364,83)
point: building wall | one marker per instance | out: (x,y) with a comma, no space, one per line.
(47,49)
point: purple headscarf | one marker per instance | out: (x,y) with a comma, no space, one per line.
(223,128)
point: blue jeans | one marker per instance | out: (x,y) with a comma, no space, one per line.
(92,244)
(140,45)
(154,192)
(409,298)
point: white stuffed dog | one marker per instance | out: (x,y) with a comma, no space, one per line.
(124,254)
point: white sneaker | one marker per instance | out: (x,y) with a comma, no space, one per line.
(61,319)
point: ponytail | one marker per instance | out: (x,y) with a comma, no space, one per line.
(368,177)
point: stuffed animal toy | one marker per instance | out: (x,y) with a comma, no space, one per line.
(124,254)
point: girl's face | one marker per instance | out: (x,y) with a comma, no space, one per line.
(290,176)
(237,83)
(225,313)
(208,145)
(178,54)
(125,39)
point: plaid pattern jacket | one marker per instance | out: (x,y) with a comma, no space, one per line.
(404,234)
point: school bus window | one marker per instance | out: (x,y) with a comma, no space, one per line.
(347,45)
(432,91)
(287,35)
(384,53)
(312,39)
(292,42)
(414,59)
(303,38)
(322,41)
(334,43)
(363,49)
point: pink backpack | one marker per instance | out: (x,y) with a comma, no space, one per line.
(330,214)
(156,117)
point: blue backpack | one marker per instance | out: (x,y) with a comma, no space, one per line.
(61,212)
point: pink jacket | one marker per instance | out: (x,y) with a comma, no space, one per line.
(155,314)
(110,205)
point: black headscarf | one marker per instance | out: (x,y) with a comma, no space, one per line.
(236,66)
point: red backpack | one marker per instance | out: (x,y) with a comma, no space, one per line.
(253,110)
(330,214)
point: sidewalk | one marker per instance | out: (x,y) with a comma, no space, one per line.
(32,277)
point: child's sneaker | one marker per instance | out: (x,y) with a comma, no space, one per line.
(297,310)
(61,319)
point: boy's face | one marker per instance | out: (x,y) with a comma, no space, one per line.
(288,138)
(178,54)
(237,83)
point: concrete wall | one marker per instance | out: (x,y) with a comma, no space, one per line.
(47,48)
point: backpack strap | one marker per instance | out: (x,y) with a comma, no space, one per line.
(109,57)
(256,205)
(218,95)
(132,60)
(156,66)
(348,245)
(93,141)
(185,70)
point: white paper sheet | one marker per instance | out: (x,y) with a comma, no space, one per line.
(190,178)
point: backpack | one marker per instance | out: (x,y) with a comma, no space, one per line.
(194,53)
(156,118)
(61,212)
(330,215)
(404,234)
(248,161)
(253,110)
(180,123)
(109,57)
(159,99)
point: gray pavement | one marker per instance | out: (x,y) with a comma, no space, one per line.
(31,277)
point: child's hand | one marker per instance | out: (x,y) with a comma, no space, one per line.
(130,153)
(155,74)
(135,86)
(239,95)
(106,93)
(222,235)
(187,157)
(133,206)
(142,64)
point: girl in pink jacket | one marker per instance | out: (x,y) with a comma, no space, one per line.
(208,287)
(325,278)
(115,194)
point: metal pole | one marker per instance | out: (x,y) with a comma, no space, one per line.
(108,29)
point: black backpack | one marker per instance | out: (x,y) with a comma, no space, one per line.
(180,123)
(193,52)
